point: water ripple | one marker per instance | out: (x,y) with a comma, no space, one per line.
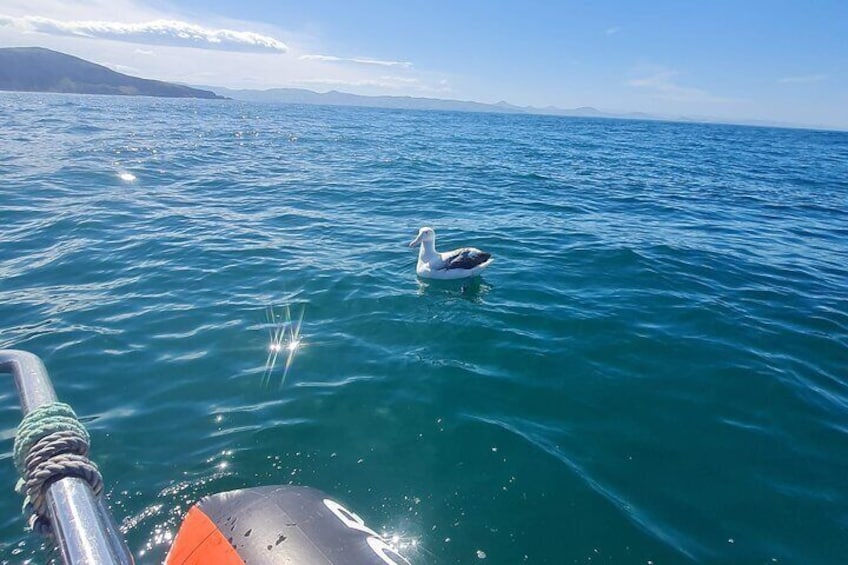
(652,369)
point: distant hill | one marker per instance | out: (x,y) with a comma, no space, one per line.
(336,98)
(35,69)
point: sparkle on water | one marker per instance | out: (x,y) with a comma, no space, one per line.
(284,334)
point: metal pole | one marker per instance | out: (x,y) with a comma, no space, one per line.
(85,531)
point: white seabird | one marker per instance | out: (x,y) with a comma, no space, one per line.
(457,264)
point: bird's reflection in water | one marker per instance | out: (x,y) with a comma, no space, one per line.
(473,289)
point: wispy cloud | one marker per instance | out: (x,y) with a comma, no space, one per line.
(156,32)
(802,79)
(384,82)
(612,30)
(356,60)
(126,69)
(663,83)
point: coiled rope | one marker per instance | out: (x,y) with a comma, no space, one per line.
(51,444)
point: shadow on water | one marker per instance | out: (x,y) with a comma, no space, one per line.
(473,289)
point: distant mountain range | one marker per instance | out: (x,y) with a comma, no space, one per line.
(35,69)
(335,98)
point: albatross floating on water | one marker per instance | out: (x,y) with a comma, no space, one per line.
(457,264)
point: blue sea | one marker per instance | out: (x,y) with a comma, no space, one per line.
(653,370)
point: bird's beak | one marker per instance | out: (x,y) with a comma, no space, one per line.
(415,241)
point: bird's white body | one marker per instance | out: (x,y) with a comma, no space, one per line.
(460,263)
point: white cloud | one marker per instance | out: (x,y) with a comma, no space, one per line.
(802,79)
(77,28)
(157,32)
(393,83)
(126,69)
(662,82)
(359,61)
(612,30)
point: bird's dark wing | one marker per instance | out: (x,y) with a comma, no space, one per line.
(466,258)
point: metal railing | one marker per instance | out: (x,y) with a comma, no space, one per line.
(85,532)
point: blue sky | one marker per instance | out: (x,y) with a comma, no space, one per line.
(742,60)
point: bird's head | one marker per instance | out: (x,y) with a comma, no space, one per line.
(425,234)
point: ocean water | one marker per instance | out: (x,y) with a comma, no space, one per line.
(652,371)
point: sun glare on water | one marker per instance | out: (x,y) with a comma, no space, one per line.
(285,336)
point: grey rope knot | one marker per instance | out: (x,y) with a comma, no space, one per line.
(51,444)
